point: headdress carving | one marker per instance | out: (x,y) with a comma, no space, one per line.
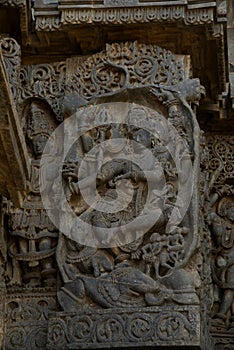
(224,204)
(37,122)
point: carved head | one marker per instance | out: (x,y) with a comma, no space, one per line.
(174,111)
(143,139)
(38,144)
(155,237)
(226,208)
(230,212)
(38,129)
(125,185)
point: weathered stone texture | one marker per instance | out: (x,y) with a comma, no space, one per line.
(117,211)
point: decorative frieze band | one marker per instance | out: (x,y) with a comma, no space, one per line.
(16,3)
(146,326)
(122,15)
(48,23)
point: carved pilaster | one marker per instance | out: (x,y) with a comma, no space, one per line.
(14,160)
(3,268)
(220,217)
(12,58)
(230,37)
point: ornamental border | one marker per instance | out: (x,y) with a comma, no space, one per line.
(148,14)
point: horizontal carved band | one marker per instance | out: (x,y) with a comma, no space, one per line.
(151,326)
(15,3)
(125,15)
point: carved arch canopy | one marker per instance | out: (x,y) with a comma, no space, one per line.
(77,81)
(124,66)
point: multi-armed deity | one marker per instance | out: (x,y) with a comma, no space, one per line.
(124,186)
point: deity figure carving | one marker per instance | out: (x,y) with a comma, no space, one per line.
(38,131)
(126,194)
(131,256)
(222,226)
(33,236)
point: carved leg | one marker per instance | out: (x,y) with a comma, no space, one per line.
(156,269)
(226,304)
(148,268)
(72,295)
(16,273)
(48,272)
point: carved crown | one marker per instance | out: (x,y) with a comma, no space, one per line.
(38,123)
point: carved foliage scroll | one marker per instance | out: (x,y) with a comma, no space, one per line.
(121,67)
(26,319)
(101,329)
(45,82)
(12,58)
(221,157)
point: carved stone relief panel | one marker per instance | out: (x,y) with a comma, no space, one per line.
(145,153)
(220,220)
(127,260)
(127,173)
(123,66)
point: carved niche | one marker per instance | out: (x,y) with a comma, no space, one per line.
(129,177)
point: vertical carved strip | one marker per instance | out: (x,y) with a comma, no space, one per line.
(12,58)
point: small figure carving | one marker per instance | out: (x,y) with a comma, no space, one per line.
(92,273)
(32,245)
(155,253)
(222,227)
(33,237)
(164,251)
(37,134)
